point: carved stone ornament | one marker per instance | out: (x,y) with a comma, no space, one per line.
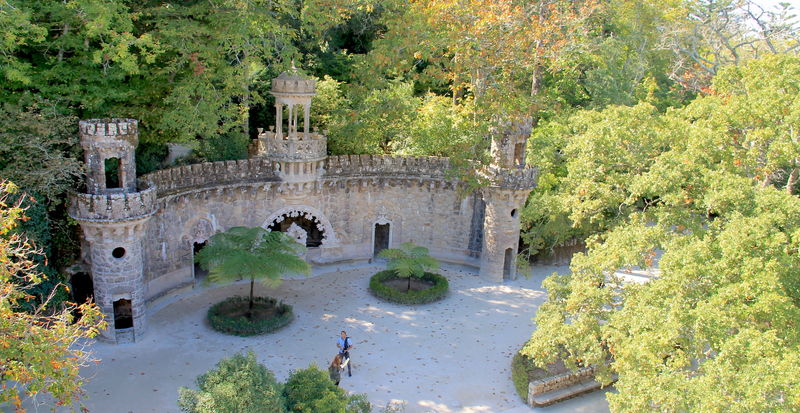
(297,233)
(323,225)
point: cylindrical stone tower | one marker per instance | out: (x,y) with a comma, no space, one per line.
(113,222)
(511,182)
(109,147)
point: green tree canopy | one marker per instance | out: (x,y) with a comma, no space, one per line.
(40,349)
(410,260)
(238,384)
(714,329)
(254,253)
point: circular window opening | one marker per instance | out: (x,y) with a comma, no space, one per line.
(514,213)
(118,252)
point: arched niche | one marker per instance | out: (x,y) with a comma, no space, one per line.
(308,215)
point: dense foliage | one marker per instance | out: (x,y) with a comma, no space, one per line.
(239,384)
(220,318)
(312,391)
(437,291)
(41,349)
(660,126)
(710,188)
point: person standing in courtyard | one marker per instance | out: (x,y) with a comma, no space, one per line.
(335,369)
(344,344)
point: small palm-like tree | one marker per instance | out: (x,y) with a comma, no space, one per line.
(254,253)
(410,260)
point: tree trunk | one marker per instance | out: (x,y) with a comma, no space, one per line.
(792,181)
(536,81)
(250,305)
(409,285)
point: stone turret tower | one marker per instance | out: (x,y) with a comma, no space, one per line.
(511,182)
(113,220)
(298,155)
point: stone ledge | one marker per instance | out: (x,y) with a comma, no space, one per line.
(554,396)
(562,386)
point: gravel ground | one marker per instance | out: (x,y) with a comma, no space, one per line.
(450,356)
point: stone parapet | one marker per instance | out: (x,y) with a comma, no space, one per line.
(99,131)
(372,165)
(512,178)
(112,207)
(210,174)
(298,147)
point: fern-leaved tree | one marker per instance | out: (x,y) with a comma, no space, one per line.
(410,260)
(254,253)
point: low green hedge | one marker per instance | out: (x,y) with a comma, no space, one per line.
(241,326)
(435,293)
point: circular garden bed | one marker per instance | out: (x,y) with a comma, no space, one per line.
(230,316)
(388,286)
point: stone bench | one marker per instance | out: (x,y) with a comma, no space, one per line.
(562,386)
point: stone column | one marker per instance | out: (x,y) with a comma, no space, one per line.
(278,120)
(501,233)
(306,120)
(117,266)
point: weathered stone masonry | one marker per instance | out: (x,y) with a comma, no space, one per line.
(141,237)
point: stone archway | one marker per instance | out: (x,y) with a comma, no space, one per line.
(319,231)
(197,238)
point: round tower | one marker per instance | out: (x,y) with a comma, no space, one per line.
(511,182)
(299,156)
(109,151)
(113,220)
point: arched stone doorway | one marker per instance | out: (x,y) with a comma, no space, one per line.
(302,223)
(196,239)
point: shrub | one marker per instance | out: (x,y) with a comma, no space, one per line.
(237,385)
(242,326)
(519,374)
(435,293)
(311,391)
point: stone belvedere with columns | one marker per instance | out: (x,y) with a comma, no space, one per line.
(141,235)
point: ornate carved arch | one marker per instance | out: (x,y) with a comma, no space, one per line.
(328,236)
(200,231)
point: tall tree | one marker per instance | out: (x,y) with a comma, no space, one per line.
(717,33)
(42,350)
(714,328)
(254,253)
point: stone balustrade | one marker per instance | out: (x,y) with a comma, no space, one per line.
(211,174)
(113,207)
(298,147)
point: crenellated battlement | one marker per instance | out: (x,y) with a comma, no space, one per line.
(512,178)
(209,174)
(113,207)
(368,165)
(96,131)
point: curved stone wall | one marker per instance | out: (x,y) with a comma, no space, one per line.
(413,195)
(210,174)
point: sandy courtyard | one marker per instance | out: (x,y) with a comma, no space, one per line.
(449,356)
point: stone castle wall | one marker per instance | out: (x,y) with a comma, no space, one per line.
(413,195)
